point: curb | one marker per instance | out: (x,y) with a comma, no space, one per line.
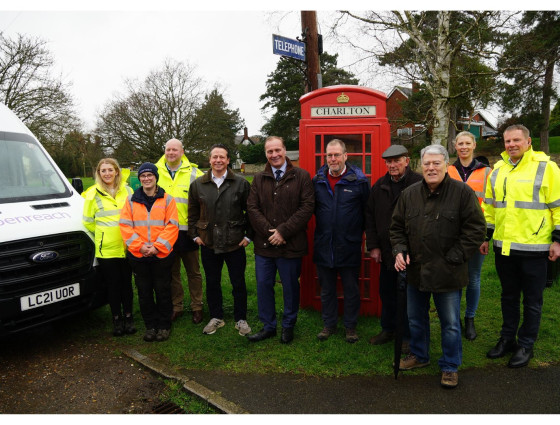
(212,397)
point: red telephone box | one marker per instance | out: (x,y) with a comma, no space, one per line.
(357,116)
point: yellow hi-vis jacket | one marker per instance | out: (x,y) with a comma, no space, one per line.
(522,203)
(179,186)
(101,217)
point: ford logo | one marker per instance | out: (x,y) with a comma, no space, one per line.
(44,256)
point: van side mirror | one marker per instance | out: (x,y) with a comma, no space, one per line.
(78,185)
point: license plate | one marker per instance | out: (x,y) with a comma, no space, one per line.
(51,296)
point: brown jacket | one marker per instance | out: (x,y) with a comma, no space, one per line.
(286,206)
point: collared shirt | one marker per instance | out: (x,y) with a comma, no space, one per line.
(173,172)
(219,180)
(282,168)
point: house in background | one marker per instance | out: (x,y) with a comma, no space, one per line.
(479,125)
(403,131)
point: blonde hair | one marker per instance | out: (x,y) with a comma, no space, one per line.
(466,134)
(117,183)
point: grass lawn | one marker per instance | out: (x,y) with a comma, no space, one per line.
(189,348)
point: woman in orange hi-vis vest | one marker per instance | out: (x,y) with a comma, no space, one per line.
(474,173)
(149,227)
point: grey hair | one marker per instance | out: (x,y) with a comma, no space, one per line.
(435,150)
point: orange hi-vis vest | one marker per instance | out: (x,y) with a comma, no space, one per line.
(476,181)
(159,226)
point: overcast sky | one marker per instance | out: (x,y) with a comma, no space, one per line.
(96,50)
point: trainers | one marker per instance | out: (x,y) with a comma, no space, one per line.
(243,327)
(162,335)
(351,335)
(150,335)
(326,333)
(449,379)
(411,362)
(213,326)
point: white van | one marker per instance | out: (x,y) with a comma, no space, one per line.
(46,254)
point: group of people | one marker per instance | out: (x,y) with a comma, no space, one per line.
(436,225)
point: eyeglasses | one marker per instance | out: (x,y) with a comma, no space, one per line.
(334,155)
(145,176)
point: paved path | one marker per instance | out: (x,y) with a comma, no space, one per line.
(496,389)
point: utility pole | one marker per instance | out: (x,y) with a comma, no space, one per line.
(310,36)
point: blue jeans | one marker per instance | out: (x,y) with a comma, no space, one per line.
(473,288)
(289,270)
(329,297)
(448,306)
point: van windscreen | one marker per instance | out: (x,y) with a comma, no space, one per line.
(26,173)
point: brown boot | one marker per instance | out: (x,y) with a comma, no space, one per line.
(382,338)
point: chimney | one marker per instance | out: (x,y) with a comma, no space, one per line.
(415,87)
(245,134)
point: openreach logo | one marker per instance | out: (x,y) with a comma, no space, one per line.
(22,219)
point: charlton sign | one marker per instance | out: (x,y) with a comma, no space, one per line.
(287,47)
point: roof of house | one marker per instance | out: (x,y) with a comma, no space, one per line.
(406,91)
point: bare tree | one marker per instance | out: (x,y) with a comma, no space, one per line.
(136,124)
(28,88)
(431,42)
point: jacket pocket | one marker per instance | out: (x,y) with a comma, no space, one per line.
(235,231)
(449,230)
(202,230)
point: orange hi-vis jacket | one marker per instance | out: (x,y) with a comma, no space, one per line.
(159,226)
(476,181)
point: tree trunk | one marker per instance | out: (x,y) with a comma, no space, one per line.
(545,107)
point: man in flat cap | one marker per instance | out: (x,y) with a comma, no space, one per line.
(381,203)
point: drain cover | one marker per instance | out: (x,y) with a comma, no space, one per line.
(168,408)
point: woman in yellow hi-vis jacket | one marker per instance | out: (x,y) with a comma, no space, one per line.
(102,209)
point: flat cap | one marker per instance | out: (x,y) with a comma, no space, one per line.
(395,151)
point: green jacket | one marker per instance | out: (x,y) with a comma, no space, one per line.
(440,231)
(219,215)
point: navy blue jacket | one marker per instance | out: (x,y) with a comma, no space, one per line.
(340,218)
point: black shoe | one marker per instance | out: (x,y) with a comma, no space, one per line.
(502,347)
(129,327)
(287,335)
(470,331)
(150,335)
(521,357)
(118,326)
(382,338)
(261,335)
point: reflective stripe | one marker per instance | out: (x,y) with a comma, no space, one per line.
(183,227)
(479,194)
(501,204)
(87,219)
(538,181)
(181,200)
(175,222)
(108,223)
(488,201)
(99,202)
(164,242)
(107,213)
(151,223)
(193,174)
(127,222)
(132,239)
(554,204)
(490,225)
(557,227)
(524,246)
(531,205)
(493,183)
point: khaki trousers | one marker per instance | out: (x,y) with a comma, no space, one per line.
(194,278)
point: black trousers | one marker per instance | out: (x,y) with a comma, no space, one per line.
(213,263)
(117,277)
(154,278)
(521,275)
(388,295)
